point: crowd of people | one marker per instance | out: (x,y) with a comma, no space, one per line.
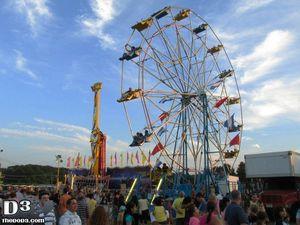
(89,207)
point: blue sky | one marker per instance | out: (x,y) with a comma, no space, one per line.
(51,52)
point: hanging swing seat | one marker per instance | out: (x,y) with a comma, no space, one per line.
(233,100)
(182,14)
(215,49)
(225,74)
(148,136)
(161,13)
(231,154)
(201,28)
(142,25)
(138,140)
(133,53)
(130,95)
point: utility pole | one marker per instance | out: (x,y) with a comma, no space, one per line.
(58,161)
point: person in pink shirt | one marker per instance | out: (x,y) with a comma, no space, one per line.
(195,218)
(212,217)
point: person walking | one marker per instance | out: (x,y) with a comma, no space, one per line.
(82,209)
(180,212)
(234,214)
(70,217)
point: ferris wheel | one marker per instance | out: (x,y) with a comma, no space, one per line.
(180,94)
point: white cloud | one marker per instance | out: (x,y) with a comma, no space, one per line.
(55,149)
(104,12)
(63,126)
(272,102)
(36,12)
(265,56)
(257,146)
(247,5)
(21,65)
(246,138)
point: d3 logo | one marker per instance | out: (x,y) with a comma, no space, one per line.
(11,207)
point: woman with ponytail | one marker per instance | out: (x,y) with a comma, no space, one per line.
(212,216)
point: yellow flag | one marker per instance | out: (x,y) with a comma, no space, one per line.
(111,160)
(144,158)
(132,159)
(80,162)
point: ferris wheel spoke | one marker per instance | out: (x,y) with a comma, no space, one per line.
(187,55)
(171,73)
(156,77)
(178,59)
(168,47)
(157,59)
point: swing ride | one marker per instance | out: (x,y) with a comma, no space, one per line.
(181,97)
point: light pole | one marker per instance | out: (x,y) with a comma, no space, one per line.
(58,161)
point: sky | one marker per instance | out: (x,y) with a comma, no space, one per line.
(51,52)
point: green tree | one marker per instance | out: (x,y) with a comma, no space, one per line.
(241,172)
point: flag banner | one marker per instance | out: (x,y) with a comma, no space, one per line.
(144,158)
(163,116)
(137,157)
(157,148)
(68,162)
(235,140)
(127,159)
(116,160)
(220,102)
(215,85)
(132,159)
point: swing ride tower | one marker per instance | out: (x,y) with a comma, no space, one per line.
(98,139)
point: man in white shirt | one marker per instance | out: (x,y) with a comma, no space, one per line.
(70,217)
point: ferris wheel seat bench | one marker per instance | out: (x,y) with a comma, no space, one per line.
(233,100)
(130,95)
(225,74)
(161,13)
(182,14)
(131,54)
(215,49)
(140,26)
(201,28)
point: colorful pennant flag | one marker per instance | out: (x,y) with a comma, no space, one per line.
(137,157)
(144,158)
(68,162)
(220,102)
(215,85)
(73,162)
(127,158)
(116,162)
(157,148)
(163,116)
(132,159)
(235,140)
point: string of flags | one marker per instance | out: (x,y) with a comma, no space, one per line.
(79,162)
(132,158)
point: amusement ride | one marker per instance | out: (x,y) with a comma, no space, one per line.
(181,99)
